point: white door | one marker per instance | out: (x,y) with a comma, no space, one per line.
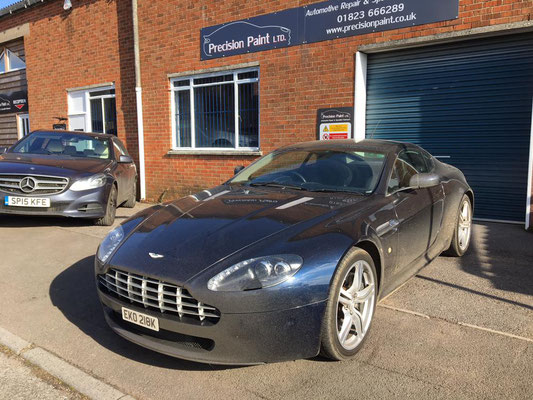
(23,122)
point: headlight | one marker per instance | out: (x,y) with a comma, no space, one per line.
(110,243)
(92,182)
(256,273)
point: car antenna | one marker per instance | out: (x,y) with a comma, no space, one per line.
(375,129)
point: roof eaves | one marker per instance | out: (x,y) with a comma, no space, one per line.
(19,5)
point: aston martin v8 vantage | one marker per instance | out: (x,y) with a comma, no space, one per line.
(288,258)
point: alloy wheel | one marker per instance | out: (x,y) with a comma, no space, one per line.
(355,305)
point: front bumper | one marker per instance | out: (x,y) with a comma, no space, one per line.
(85,204)
(238,339)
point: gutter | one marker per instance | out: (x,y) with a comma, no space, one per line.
(139,101)
(21,5)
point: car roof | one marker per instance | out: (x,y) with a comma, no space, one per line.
(383,146)
(93,134)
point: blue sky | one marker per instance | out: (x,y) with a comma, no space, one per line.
(5,3)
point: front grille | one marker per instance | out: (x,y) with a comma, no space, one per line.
(43,184)
(156,295)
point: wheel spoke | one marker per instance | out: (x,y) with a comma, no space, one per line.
(345,298)
(363,295)
(357,320)
(357,278)
(345,328)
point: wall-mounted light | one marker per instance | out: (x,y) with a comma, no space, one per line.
(67,5)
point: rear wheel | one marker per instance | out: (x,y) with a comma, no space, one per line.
(350,306)
(110,211)
(130,203)
(463,229)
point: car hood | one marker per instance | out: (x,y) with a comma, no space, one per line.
(193,233)
(12,163)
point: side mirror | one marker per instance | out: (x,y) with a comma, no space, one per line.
(425,180)
(238,169)
(3,150)
(125,159)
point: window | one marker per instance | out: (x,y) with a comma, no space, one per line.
(414,159)
(216,111)
(9,61)
(401,175)
(93,110)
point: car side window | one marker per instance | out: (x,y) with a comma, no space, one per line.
(415,159)
(401,175)
(120,150)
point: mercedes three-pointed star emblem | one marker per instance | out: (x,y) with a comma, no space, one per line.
(28,184)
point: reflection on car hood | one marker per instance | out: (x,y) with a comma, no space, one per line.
(14,163)
(197,231)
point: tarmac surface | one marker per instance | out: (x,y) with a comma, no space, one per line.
(461,329)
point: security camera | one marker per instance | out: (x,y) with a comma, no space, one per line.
(67,5)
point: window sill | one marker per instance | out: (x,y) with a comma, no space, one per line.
(221,152)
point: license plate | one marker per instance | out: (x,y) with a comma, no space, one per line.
(13,201)
(140,319)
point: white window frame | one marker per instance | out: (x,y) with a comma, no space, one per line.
(6,53)
(87,98)
(23,121)
(190,88)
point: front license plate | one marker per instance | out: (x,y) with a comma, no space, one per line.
(13,201)
(140,319)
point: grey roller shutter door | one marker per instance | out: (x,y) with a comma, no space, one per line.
(468,100)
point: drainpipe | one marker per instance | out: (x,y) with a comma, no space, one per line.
(139,101)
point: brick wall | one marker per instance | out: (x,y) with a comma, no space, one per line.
(80,47)
(294,82)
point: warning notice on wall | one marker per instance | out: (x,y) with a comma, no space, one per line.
(334,123)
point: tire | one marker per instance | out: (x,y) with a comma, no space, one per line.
(462,232)
(340,342)
(110,210)
(132,200)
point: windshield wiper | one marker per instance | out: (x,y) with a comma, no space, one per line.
(276,184)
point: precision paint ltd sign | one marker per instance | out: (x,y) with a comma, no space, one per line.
(318,22)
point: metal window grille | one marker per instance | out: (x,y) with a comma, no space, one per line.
(217,110)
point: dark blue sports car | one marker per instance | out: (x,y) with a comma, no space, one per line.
(287,259)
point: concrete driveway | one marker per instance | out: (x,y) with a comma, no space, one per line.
(462,328)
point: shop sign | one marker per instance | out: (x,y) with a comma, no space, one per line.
(13,102)
(334,123)
(320,21)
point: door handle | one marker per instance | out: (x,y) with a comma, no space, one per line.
(387,227)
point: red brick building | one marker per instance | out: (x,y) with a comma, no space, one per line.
(462,86)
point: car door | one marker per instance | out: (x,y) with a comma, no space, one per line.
(419,211)
(125,172)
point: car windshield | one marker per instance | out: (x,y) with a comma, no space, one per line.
(63,144)
(316,170)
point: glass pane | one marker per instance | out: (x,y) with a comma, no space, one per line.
(15,62)
(248,75)
(215,116)
(214,79)
(97,121)
(102,93)
(3,63)
(110,116)
(183,118)
(182,83)
(77,122)
(249,115)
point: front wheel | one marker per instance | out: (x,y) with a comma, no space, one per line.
(350,306)
(110,211)
(463,229)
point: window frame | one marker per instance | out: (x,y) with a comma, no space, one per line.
(87,114)
(235,82)
(7,61)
